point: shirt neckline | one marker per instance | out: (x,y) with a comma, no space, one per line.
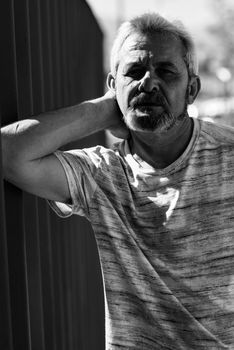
(144,167)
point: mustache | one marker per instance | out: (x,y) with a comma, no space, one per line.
(146,99)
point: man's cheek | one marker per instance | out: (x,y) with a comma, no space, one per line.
(121,102)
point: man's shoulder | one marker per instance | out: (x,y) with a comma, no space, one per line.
(98,151)
(219,134)
(100,156)
(114,151)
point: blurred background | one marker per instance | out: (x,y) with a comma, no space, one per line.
(211,23)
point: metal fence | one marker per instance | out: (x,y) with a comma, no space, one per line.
(51,294)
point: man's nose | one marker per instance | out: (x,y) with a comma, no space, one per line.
(149,82)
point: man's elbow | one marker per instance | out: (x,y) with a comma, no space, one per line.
(12,163)
(11,153)
(11,166)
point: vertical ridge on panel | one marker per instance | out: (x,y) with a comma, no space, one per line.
(54,54)
(63,286)
(75,324)
(31,229)
(35,56)
(57,58)
(83,279)
(65,238)
(47,275)
(58,282)
(47,57)
(5,308)
(71,44)
(60,48)
(64,50)
(23,59)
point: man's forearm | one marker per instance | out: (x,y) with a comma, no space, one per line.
(37,137)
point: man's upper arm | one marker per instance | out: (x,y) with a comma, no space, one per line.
(44,177)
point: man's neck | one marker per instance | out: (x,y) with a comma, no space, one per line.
(161,150)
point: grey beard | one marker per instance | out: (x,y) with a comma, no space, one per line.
(162,122)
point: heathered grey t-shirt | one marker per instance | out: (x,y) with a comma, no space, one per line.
(165,240)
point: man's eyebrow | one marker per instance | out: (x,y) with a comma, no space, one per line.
(133,62)
(166,64)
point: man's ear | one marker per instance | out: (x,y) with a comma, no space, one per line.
(110,82)
(194,87)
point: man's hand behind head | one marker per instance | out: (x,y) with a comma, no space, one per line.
(118,128)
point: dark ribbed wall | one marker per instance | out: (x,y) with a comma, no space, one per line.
(51,288)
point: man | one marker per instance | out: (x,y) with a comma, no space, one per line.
(161,203)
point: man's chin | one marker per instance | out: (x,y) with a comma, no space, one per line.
(138,125)
(146,122)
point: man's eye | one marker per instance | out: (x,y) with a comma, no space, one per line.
(166,73)
(136,73)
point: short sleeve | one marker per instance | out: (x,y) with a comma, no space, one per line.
(81,167)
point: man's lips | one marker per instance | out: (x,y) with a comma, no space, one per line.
(148,104)
(143,109)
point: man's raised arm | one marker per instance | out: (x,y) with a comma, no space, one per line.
(28,145)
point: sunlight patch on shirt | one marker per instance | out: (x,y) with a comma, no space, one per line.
(167,199)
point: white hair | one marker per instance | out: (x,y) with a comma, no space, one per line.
(151,23)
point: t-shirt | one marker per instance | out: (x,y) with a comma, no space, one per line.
(165,239)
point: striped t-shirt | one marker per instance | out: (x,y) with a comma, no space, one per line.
(165,240)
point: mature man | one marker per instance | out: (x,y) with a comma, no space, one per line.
(161,203)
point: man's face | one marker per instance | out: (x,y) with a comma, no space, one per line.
(152,82)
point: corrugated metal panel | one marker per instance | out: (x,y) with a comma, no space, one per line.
(51,288)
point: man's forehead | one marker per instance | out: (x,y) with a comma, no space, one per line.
(137,47)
